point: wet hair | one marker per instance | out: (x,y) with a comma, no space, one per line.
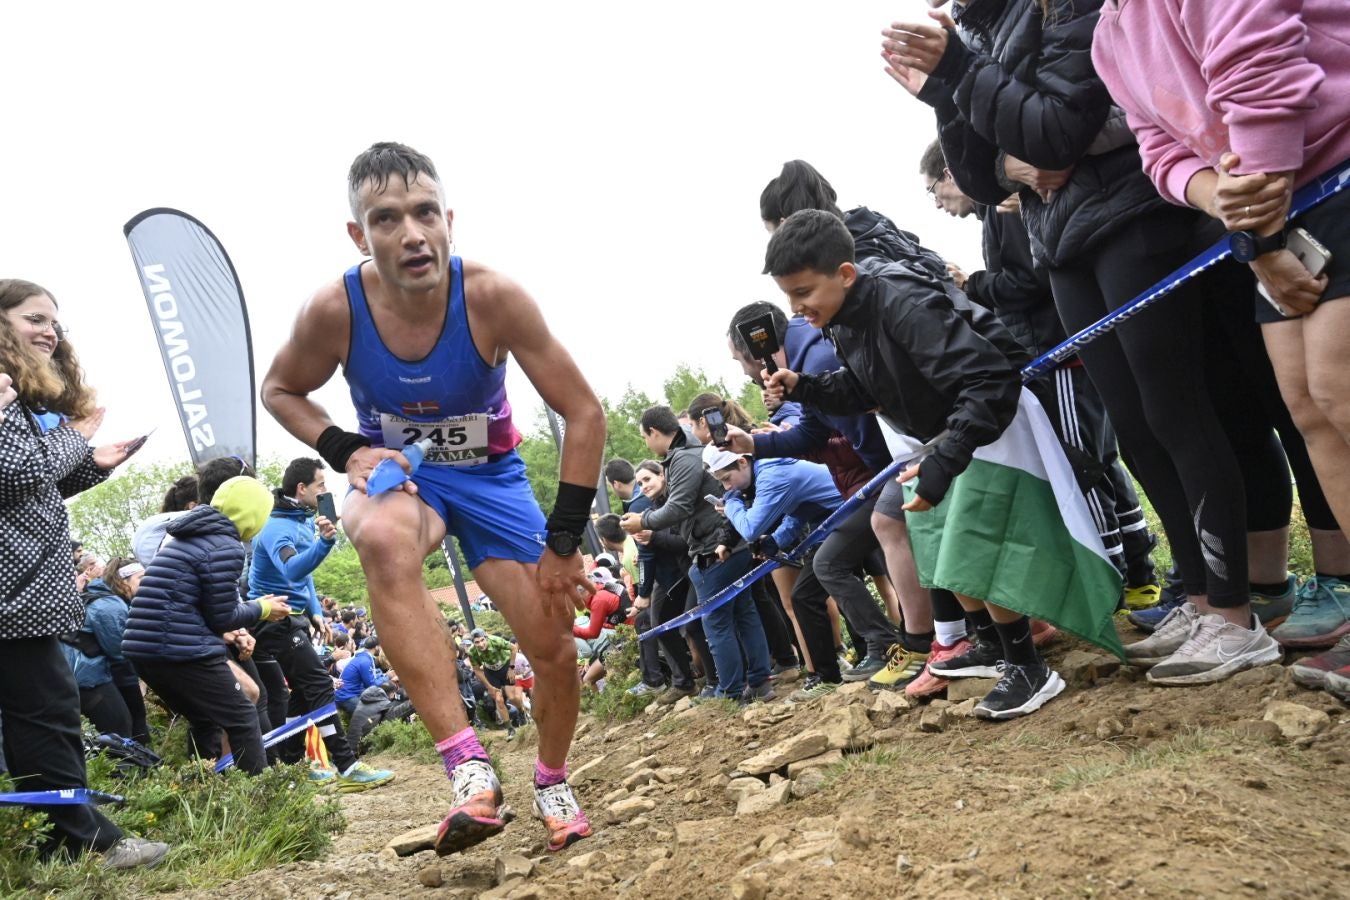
(659,418)
(382,161)
(753,311)
(809,239)
(116,583)
(607,526)
(213,473)
(55,384)
(301,471)
(620,470)
(733,412)
(798,186)
(933,163)
(180,494)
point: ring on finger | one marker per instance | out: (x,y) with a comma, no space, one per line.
(1247,211)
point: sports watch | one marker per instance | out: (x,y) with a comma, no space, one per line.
(1248,245)
(562,543)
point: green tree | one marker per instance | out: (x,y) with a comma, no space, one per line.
(340,576)
(685,384)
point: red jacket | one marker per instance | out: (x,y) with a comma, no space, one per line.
(602,605)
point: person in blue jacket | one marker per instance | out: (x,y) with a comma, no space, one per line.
(360,673)
(285,555)
(91,651)
(188,599)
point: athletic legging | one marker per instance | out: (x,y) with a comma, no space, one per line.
(1150,373)
(1247,399)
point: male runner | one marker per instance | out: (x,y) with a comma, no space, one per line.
(423,338)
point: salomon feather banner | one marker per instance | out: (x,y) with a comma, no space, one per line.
(197,308)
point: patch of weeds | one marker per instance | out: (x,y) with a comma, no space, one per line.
(1183,751)
(399,738)
(669,725)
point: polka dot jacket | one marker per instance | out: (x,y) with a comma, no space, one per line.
(37,584)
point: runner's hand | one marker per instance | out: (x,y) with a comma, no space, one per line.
(363,462)
(89,424)
(563,585)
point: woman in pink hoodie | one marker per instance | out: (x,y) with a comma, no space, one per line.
(1236,104)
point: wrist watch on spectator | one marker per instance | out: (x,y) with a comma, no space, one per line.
(1248,245)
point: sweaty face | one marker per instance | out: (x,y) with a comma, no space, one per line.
(815,296)
(650,483)
(734,478)
(405,229)
(34,322)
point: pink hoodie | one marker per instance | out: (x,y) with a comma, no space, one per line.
(1267,79)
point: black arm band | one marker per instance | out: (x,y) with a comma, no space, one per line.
(572,509)
(337,446)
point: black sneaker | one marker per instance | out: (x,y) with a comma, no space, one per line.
(980,661)
(1021,690)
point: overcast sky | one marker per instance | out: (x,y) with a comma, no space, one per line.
(608,156)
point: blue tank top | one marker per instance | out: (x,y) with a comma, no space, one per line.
(451,395)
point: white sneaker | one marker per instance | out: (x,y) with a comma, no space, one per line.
(1215,650)
(1166,639)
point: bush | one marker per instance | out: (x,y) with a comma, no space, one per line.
(407,739)
(220,827)
(614,703)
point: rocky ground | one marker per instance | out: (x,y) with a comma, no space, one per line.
(1115,789)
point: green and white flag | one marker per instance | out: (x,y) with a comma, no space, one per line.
(1015,530)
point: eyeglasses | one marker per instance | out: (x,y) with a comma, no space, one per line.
(931,190)
(243,466)
(42,323)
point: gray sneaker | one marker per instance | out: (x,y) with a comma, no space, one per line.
(642,689)
(812,689)
(1215,650)
(133,852)
(1166,639)
(761,693)
(868,666)
(1339,685)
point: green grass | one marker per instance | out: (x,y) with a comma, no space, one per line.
(407,739)
(220,827)
(1184,751)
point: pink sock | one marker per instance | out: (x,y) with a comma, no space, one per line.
(459,747)
(544,776)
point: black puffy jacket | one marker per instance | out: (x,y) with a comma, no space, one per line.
(1012,285)
(189,595)
(923,360)
(1016,83)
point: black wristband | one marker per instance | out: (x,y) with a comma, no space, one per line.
(572,509)
(337,446)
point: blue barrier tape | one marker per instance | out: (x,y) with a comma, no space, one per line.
(290,729)
(67,797)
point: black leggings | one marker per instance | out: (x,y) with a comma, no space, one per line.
(1150,373)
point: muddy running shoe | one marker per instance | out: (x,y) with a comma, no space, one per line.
(864,670)
(134,853)
(1321,614)
(1272,609)
(812,689)
(1021,690)
(361,777)
(1042,632)
(1173,595)
(478,812)
(928,684)
(1144,596)
(1171,633)
(1339,686)
(1215,650)
(1313,671)
(981,660)
(556,806)
(903,667)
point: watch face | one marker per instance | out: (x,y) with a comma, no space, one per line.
(563,544)
(1243,245)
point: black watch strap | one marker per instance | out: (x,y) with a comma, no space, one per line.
(563,543)
(1248,245)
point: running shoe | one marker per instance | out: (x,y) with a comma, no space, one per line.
(1144,596)
(478,812)
(1339,686)
(1021,690)
(1321,614)
(321,775)
(927,683)
(1313,671)
(903,667)
(1167,639)
(1272,609)
(781,672)
(556,806)
(761,693)
(361,777)
(812,689)
(1042,632)
(981,660)
(672,695)
(1173,595)
(864,670)
(133,853)
(1215,650)
(642,689)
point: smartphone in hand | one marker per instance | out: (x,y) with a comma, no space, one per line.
(327,508)
(139,442)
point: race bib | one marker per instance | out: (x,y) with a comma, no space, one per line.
(462,441)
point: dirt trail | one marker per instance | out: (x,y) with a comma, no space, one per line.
(1117,789)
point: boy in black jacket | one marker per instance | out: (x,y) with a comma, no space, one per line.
(943,371)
